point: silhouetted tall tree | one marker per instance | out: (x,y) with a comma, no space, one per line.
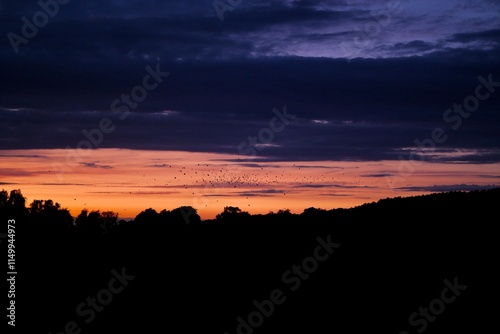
(4,198)
(12,206)
(17,200)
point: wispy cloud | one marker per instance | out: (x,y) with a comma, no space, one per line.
(28,156)
(377,175)
(345,186)
(450,187)
(95,165)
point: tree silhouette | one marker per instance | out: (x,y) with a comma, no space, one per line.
(148,216)
(17,200)
(12,206)
(109,220)
(285,212)
(81,219)
(94,223)
(232,213)
(4,199)
(51,214)
(183,215)
(177,217)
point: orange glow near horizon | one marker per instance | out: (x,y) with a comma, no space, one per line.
(129,181)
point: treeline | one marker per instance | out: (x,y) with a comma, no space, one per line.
(204,276)
(52,215)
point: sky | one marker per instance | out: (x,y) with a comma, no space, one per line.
(266,105)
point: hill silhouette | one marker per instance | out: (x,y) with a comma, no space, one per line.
(365,269)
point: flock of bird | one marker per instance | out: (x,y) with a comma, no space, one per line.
(211,181)
(255,179)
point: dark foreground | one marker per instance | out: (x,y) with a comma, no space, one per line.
(421,264)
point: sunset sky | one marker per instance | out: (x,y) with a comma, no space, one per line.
(269,105)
